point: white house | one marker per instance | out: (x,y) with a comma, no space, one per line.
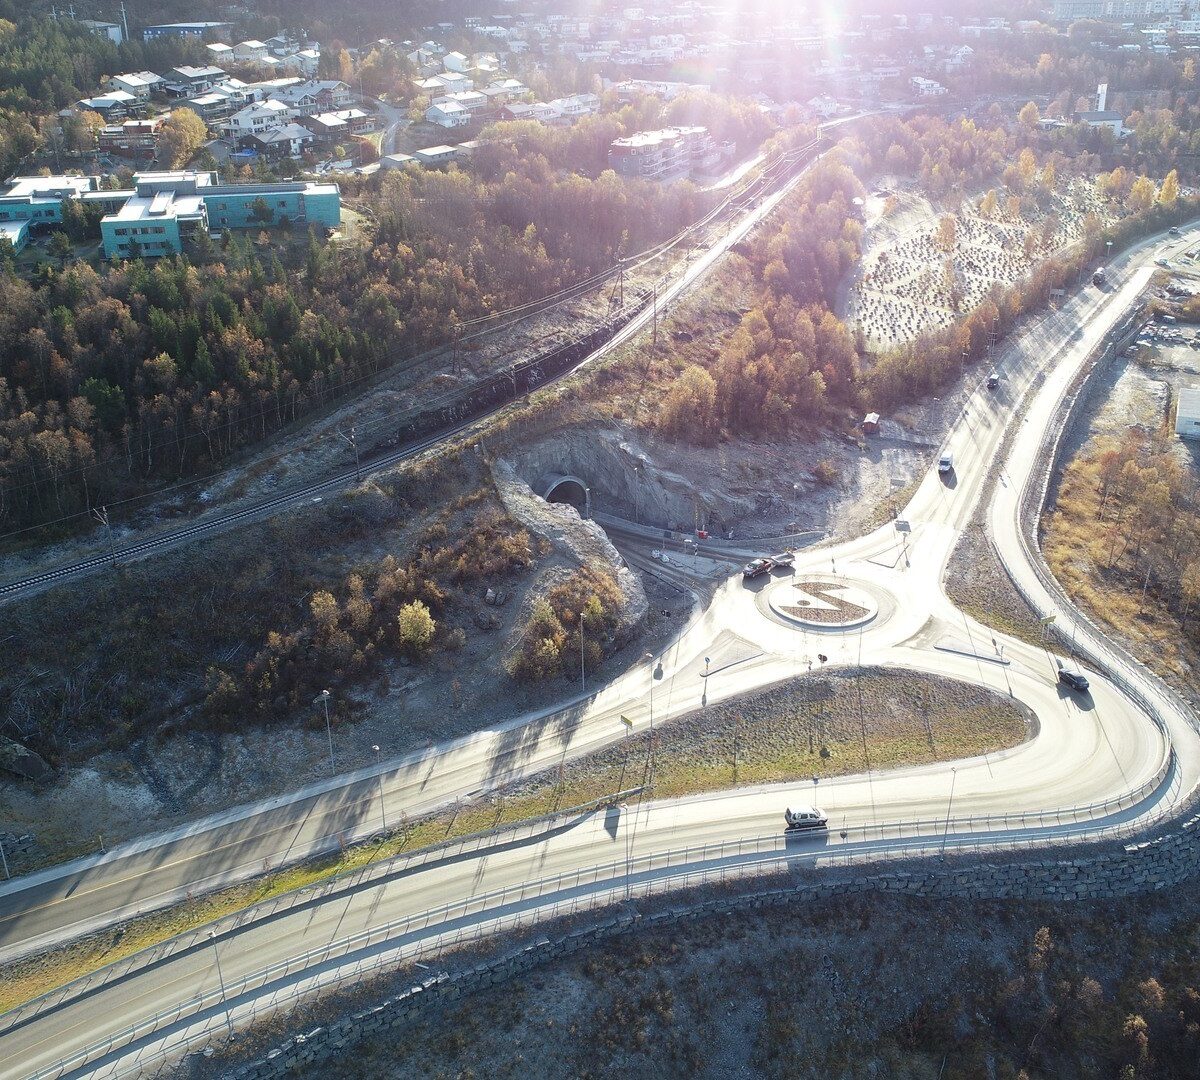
(455,81)
(306,62)
(448,114)
(113,105)
(291,140)
(433,156)
(576,105)
(456,61)
(219,52)
(250,50)
(926,87)
(259,117)
(141,84)
(471,100)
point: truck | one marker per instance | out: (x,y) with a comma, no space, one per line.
(1100,276)
(766,563)
(805,817)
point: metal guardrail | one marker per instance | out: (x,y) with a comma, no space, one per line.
(752,854)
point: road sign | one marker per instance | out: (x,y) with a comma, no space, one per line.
(1047,620)
(626,721)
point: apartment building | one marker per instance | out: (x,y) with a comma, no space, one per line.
(669,154)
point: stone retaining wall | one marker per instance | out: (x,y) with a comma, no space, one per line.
(1118,871)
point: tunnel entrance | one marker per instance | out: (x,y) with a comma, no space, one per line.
(570,489)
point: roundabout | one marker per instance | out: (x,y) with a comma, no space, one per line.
(821,602)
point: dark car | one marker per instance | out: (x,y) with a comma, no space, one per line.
(1073,679)
(1174,230)
(758,566)
(993,380)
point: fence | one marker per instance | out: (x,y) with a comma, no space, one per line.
(469,919)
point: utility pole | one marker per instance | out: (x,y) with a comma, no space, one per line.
(650,770)
(582,672)
(353,442)
(221,979)
(4,860)
(101,516)
(654,337)
(124,21)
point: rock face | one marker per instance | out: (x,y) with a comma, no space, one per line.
(21,761)
(622,477)
(577,542)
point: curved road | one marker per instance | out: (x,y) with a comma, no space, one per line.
(1097,761)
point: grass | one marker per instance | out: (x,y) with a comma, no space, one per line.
(828,725)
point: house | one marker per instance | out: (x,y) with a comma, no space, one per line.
(454,82)
(456,61)
(576,105)
(184,30)
(540,111)
(870,424)
(141,84)
(315,96)
(824,106)
(246,51)
(115,105)
(329,127)
(472,100)
(187,80)
(434,156)
(305,61)
(132,139)
(448,114)
(218,52)
(926,87)
(209,107)
(1187,413)
(397,161)
(258,117)
(105,29)
(291,140)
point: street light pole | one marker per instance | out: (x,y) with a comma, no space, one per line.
(323,697)
(582,672)
(382,808)
(949,804)
(650,657)
(221,979)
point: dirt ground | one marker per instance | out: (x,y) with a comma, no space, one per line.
(857,987)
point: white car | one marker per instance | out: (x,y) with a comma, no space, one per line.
(946,463)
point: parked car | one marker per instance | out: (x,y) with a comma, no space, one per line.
(993,380)
(946,463)
(1174,230)
(756,567)
(1073,679)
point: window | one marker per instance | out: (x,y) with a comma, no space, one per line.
(122,232)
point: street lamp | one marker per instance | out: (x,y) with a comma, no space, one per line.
(323,697)
(650,657)
(382,809)
(221,979)
(949,804)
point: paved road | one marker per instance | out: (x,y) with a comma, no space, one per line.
(1097,751)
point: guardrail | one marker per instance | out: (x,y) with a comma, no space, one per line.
(644,874)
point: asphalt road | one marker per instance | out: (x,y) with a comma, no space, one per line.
(1097,751)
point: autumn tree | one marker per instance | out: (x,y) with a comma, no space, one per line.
(1029,116)
(181,135)
(1168,194)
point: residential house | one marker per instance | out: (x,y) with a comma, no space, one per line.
(455,82)
(186,81)
(136,139)
(397,161)
(456,61)
(258,117)
(141,84)
(291,140)
(448,114)
(331,126)
(434,156)
(115,105)
(251,50)
(474,101)
(315,96)
(926,87)
(576,105)
(218,52)
(305,61)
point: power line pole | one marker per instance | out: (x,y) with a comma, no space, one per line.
(101,516)
(323,697)
(221,979)
(352,440)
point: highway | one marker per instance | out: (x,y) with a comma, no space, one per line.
(1095,763)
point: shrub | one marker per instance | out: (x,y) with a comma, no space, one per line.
(415,629)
